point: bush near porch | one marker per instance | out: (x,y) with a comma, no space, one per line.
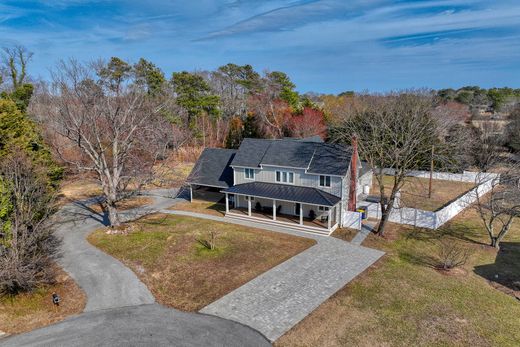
(183,274)
(403,300)
(414,193)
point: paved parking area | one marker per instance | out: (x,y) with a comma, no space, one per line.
(278,299)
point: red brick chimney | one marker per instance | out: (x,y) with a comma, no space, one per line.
(352,193)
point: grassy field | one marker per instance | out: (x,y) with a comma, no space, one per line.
(34,310)
(403,300)
(180,272)
(415,192)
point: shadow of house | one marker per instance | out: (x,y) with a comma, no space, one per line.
(505,271)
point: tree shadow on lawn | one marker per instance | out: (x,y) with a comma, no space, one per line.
(505,271)
(457,231)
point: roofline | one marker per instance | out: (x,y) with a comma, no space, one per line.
(267,197)
(207,185)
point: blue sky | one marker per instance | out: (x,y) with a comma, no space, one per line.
(324,45)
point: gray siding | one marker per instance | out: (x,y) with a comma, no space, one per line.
(268,174)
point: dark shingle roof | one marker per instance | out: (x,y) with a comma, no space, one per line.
(306,195)
(251,152)
(212,168)
(318,157)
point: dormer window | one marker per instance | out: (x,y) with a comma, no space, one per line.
(324,181)
(250,174)
(284,177)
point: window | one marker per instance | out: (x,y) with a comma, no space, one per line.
(250,174)
(251,198)
(285,176)
(323,208)
(324,181)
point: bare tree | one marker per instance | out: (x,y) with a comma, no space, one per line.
(14,64)
(500,207)
(106,124)
(27,245)
(396,132)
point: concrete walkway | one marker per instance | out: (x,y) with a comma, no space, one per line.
(275,301)
(120,310)
(366,228)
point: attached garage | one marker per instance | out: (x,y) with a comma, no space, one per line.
(211,174)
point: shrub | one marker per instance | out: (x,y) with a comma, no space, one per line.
(209,239)
(451,255)
(28,247)
(258,207)
(312,214)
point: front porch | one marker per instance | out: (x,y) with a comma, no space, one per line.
(307,217)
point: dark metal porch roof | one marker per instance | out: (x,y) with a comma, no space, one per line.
(304,195)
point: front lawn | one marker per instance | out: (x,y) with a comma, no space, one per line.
(414,193)
(163,251)
(29,311)
(404,301)
(201,206)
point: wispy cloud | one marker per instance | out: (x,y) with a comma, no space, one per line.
(326,45)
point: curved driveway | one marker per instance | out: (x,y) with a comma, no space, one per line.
(120,310)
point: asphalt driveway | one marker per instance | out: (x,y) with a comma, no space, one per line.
(120,310)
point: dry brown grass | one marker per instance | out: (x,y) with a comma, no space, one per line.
(415,192)
(403,300)
(181,273)
(345,234)
(34,310)
(200,206)
(124,205)
(78,188)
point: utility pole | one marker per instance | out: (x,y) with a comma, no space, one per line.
(431,175)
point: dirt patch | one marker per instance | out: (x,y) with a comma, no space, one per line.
(181,273)
(29,311)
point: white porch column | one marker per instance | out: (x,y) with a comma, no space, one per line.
(301,214)
(227,203)
(329,218)
(191,194)
(249,206)
(274,209)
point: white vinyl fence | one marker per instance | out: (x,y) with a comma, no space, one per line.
(430,219)
(352,220)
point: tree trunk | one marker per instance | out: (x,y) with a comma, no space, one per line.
(494,242)
(385,215)
(113,216)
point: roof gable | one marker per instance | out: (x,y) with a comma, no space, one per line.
(316,157)
(213,168)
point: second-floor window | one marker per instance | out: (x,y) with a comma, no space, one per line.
(250,174)
(324,181)
(284,177)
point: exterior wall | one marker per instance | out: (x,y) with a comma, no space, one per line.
(365,180)
(268,174)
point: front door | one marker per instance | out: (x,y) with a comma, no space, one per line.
(297,209)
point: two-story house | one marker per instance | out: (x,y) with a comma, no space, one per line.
(304,184)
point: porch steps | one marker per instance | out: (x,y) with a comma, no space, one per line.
(279,224)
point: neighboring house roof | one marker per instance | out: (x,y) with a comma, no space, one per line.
(305,195)
(213,168)
(317,157)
